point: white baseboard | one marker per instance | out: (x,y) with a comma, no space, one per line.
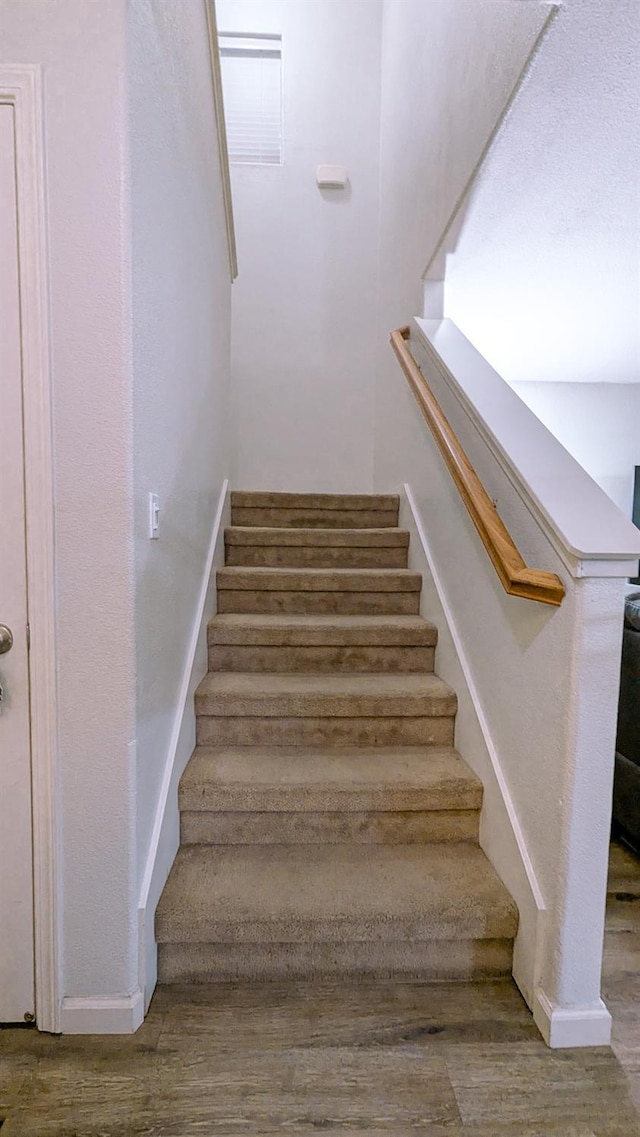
(121,1014)
(165,836)
(567,1027)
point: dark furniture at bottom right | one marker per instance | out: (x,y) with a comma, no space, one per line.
(626,784)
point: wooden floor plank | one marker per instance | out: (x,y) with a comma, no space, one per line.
(408,1059)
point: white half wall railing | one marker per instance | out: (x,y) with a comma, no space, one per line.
(517,578)
(537,683)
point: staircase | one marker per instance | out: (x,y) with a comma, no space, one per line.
(328,827)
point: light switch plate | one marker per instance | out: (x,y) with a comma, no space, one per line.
(154,516)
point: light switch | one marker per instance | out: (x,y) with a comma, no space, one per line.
(154,516)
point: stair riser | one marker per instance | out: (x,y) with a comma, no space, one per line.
(313,703)
(245,780)
(290,499)
(465,960)
(391,660)
(242,577)
(299,603)
(371,828)
(301,518)
(244,731)
(320,631)
(293,556)
(318,538)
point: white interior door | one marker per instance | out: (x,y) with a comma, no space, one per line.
(17,996)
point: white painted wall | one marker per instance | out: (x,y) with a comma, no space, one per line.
(181,312)
(140,343)
(305,300)
(545,279)
(598,424)
(80,47)
(448,70)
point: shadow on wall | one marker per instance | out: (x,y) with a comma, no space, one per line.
(337,196)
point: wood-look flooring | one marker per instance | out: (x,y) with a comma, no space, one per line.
(401,1059)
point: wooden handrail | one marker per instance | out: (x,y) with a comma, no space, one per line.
(516,578)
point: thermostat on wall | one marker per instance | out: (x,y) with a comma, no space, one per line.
(331,177)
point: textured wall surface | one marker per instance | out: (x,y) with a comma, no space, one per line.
(447,73)
(305,299)
(598,424)
(545,279)
(80,46)
(181,312)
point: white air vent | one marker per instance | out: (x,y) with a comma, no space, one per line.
(252,89)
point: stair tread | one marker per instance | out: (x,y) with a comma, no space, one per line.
(339,892)
(349,694)
(281,778)
(339,538)
(318,579)
(281,630)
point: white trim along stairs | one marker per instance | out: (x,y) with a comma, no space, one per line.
(328,825)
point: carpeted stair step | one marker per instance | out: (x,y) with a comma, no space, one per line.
(324,710)
(314,510)
(309,591)
(265,912)
(328,827)
(261,795)
(256,642)
(301,696)
(316,548)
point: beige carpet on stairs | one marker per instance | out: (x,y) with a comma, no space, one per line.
(328,826)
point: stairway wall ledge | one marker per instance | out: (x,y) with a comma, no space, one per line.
(592,537)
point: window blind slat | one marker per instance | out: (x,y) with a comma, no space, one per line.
(251,78)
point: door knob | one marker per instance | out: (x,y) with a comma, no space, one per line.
(6,639)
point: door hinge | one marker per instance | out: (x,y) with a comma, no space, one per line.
(28,638)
